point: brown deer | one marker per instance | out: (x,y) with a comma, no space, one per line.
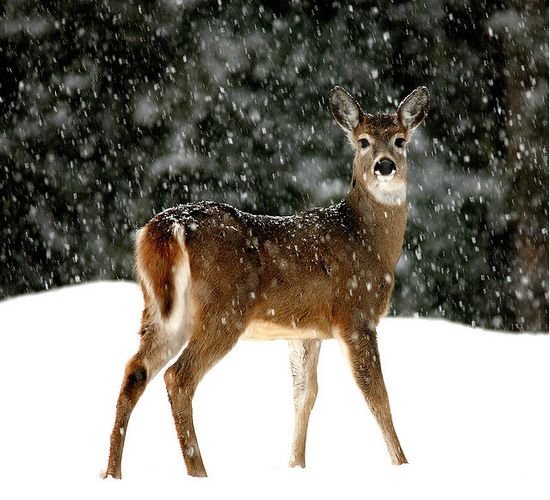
(211,275)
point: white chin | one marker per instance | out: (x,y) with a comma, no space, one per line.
(385,178)
(394,193)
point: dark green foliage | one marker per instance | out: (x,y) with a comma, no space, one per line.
(114,110)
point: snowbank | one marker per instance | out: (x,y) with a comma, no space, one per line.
(471,409)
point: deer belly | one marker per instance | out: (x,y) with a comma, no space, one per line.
(265,330)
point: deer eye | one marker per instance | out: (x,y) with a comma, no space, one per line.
(364,143)
(399,142)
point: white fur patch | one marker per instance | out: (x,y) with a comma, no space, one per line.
(265,330)
(144,278)
(407,116)
(181,281)
(351,115)
(384,178)
(389,191)
(297,356)
(370,138)
(173,332)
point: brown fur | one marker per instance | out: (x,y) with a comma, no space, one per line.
(158,253)
(329,271)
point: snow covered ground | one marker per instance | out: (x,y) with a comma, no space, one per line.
(471,409)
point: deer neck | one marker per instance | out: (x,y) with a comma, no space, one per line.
(381,226)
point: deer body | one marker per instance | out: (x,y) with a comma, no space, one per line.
(212,274)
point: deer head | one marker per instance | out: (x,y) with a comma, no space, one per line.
(380,142)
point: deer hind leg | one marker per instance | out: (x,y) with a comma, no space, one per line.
(304,355)
(207,346)
(157,347)
(162,267)
(362,349)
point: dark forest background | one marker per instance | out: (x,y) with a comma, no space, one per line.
(113,110)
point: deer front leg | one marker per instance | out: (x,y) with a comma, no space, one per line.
(304,355)
(362,348)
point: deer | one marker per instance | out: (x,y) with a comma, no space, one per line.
(212,274)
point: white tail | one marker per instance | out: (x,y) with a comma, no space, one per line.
(211,274)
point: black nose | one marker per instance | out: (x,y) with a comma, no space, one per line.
(384,167)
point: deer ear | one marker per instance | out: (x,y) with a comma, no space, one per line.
(345,109)
(414,108)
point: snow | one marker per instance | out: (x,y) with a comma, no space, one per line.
(471,409)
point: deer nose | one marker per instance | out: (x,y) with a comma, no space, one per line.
(384,167)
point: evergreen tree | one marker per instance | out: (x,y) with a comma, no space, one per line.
(114,110)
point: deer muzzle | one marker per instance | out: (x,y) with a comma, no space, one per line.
(385,169)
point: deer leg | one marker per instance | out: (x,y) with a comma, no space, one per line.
(304,355)
(154,352)
(365,362)
(207,346)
